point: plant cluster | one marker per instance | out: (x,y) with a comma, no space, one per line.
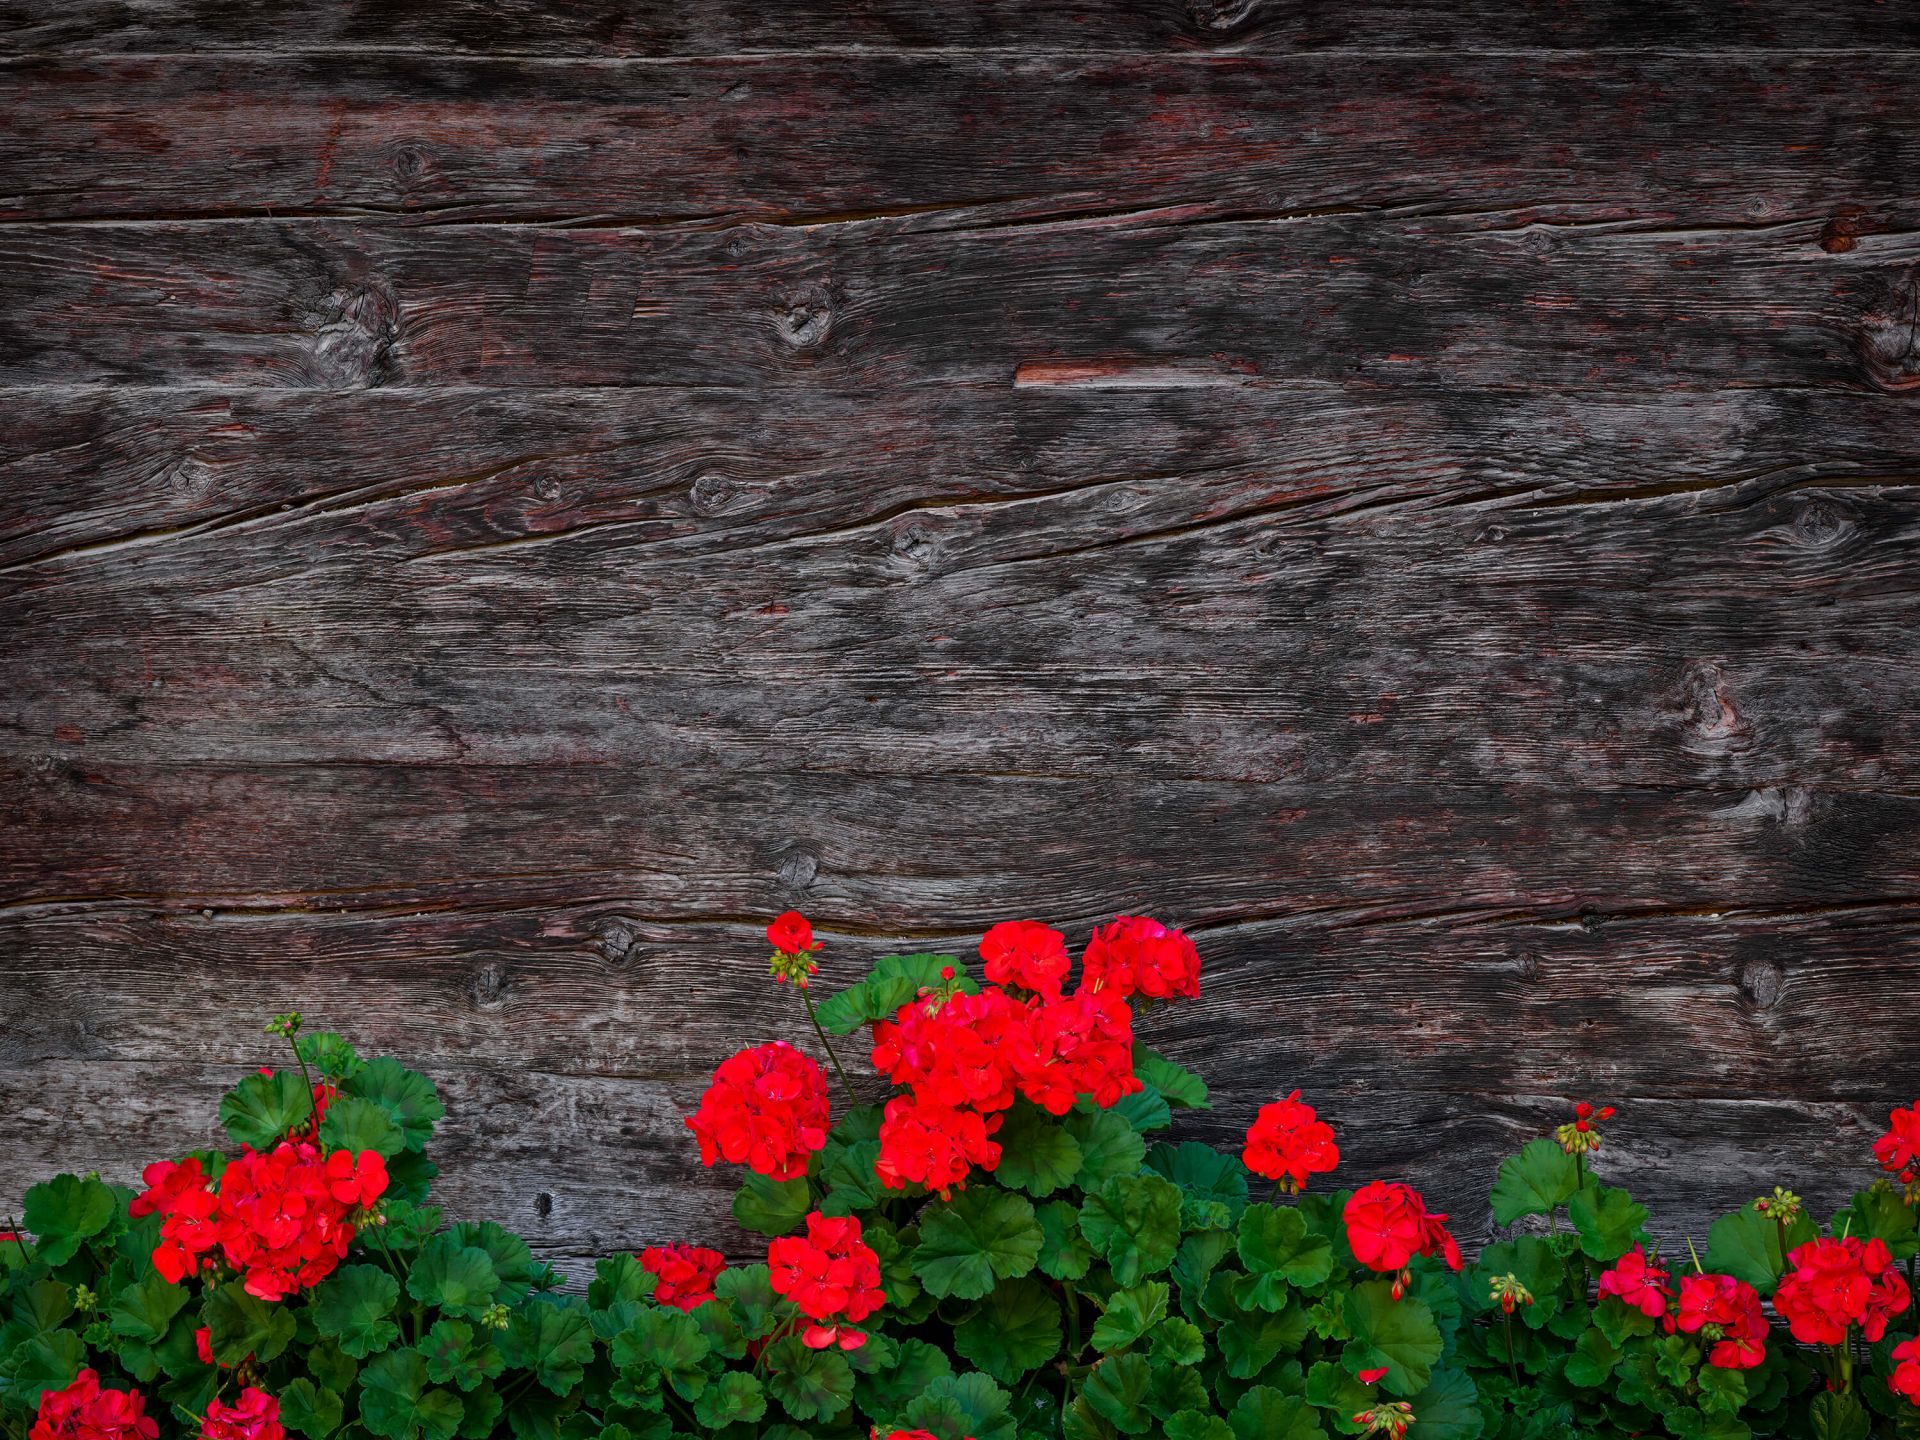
(1007,1244)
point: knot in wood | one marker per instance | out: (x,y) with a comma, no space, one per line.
(355,331)
(1820,521)
(1761,981)
(410,165)
(614,940)
(1220,16)
(797,868)
(711,494)
(490,985)
(190,479)
(1706,708)
(1890,334)
(804,321)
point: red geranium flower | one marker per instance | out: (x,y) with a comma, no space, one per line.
(1388,1224)
(933,1145)
(831,1275)
(1026,954)
(1906,1370)
(1286,1142)
(1900,1146)
(83,1411)
(959,1054)
(683,1274)
(790,934)
(1734,1307)
(1137,956)
(1639,1282)
(255,1416)
(766,1108)
(1078,1045)
(1833,1284)
(357,1180)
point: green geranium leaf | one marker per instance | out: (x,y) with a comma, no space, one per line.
(1607,1221)
(886,1392)
(1722,1392)
(734,1399)
(622,1277)
(331,1366)
(1176,1388)
(1130,1314)
(1064,1252)
(1331,1388)
(1536,1263)
(262,1109)
(1746,1245)
(1278,1250)
(1203,1173)
(956,1406)
(64,1213)
(982,1235)
(459,1279)
(1398,1334)
(809,1384)
(1250,1339)
(1014,1330)
(351,1306)
(1265,1413)
(47,1360)
(456,1355)
(852,1184)
(1178,1342)
(408,1098)
(553,1340)
(144,1311)
(1879,1213)
(327,1054)
(772,1207)
(355,1124)
(749,1290)
(395,1401)
(1593,1359)
(1537,1181)
(1448,1409)
(1118,1389)
(1181,1087)
(893,981)
(1134,1222)
(1109,1146)
(1197,1425)
(311,1409)
(1145,1109)
(1037,1154)
(512,1260)
(1839,1417)
(243,1325)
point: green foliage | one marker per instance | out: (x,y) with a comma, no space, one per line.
(65,1213)
(894,980)
(982,1235)
(262,1109)
(1537,1181)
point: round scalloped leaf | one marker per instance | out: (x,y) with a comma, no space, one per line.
(64,1213)
(1541,1178)
(552,1338)
(1109,1146)
(351,1306)
(1130,1314)
(886,1392)
(1203,1173)
(736,1398)
(1398,1334)
(1265,1413)
(1037,1154)
(772,1207)
(1134,1222)
(407,1096)
(312,1410)
(1118,1389)
(396,1403)
(355,1124)
(809,1384)
(262,1109)
(1014,1330)
(457,1355)
(1197,1425)
(963,1407)
(459,1279)
(1608,1221)
(243,1325)
(984,1234)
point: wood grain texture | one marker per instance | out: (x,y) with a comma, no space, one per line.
(496,501)
(709,27)
(957,141)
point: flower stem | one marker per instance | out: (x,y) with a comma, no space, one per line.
(306,1078)
(827,1045)
(19,1239)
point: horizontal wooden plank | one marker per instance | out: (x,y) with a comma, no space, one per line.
(1346,300)
(890,853)
(710,27)
(963,141)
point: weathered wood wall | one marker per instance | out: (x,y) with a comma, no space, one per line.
(497,499)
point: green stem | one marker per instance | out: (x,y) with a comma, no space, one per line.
(827,1045)
(1073,1320)
(1513,1365)
(392,1264)
(306,1076)
(20,1239)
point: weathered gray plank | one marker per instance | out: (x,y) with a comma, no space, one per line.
(965,141)
(710,27)
(1358,301)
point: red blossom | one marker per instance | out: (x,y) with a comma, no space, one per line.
(1078,1045)
(1134,955)
(933,1145)
(1369,1377)
(831,1275)
(790,934)
(766,1108)
(683,1274)
(254,1416)
(1388,1224)
(1027,955)
(1732,1308)
(1639,1282)
(1905,1380)
(357,1180)
(1288,1143)
(1833,1284)
(84,1411)
(958,1054)
(1899,1148)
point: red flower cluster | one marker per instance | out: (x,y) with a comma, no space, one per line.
(1026,955)
(683,1274)
(1388,1224)
(1136,956)
(256,1416)
(790,934)
(1899,1149)
(1287,1142)
(832,1276)
(83,1411)
(1639,1282)
(966,1058)
(1732,1308)
(1905,1380)
(1831,1285)
(283,1218)
(766,1108)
